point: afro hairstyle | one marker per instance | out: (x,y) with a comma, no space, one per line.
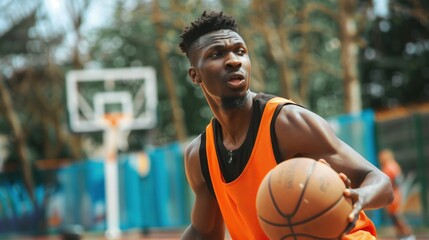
(207,22)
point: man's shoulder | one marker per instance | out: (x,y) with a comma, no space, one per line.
(192,149)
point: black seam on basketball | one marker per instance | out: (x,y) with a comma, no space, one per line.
(273,200)
(303,221)
(308,177)
(305,235)
(308,219)
(321,213)
(309,173)
(287,216)
(292,235)
(276,224)
(292,232)
(276,207)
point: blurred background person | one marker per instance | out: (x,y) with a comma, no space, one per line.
(391,168)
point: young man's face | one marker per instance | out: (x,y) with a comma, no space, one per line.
(221,64)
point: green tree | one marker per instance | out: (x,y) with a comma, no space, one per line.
(286,52)
(393,65)
(32,112)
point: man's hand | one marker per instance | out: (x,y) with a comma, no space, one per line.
(357,203)
(353,195)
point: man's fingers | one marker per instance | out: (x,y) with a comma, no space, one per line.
(357,205)
(324,161)
(346,180)
(351,224)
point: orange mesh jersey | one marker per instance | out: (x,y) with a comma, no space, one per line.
(237,199)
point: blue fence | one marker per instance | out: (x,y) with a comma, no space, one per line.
(407,137)
(358,131)
(152,185)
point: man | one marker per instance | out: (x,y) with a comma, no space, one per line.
(392,169)
(251,133)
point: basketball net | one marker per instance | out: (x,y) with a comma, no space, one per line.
(117,124)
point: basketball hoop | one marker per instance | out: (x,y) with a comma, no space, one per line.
(116,126)
(114,101)
(93,92)
(116,131)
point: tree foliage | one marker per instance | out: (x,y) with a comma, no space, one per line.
(300,49)
(294,51)
(394,70)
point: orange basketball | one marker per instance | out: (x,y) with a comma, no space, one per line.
(302,199)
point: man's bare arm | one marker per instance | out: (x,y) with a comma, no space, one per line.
(206,218)
(303,133)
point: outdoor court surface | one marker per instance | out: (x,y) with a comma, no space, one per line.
(384,234)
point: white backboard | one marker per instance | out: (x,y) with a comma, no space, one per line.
(92,93)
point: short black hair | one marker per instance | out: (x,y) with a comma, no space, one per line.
(207,22)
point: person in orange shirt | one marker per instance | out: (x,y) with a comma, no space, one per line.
(392,169)
(250,134)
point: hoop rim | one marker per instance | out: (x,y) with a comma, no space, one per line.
(114,119)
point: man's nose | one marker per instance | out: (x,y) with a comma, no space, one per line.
(233,61)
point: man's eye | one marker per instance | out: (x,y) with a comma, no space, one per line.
(241,52)
(215,54)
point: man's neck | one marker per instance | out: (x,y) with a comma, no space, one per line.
(235,122)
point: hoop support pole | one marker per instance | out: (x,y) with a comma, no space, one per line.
(111,135)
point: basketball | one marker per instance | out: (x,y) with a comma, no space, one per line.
(302,199)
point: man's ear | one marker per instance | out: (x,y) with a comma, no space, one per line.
(194,75)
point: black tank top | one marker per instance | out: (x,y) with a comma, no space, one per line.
(231,170)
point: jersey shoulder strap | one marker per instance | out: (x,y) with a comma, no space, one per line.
(204,163)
